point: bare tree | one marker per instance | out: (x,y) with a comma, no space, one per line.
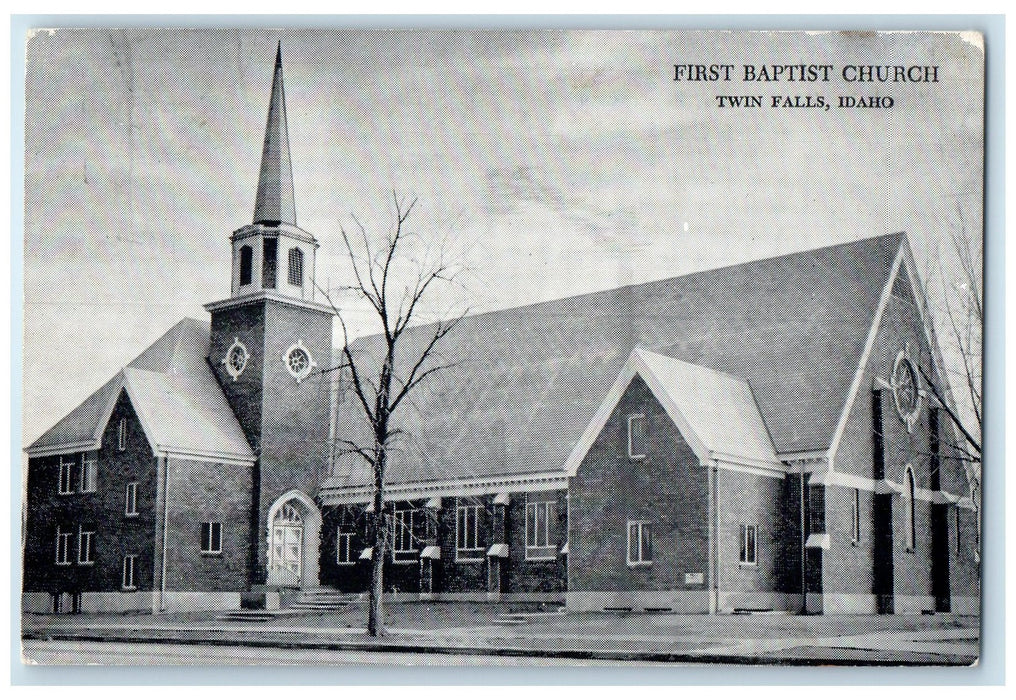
(961,306)
(396,285)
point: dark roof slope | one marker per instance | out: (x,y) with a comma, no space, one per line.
(528,380)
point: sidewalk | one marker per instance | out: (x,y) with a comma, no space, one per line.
(885,640)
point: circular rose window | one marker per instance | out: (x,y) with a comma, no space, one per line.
(906,389)
(236,359)
(298,361)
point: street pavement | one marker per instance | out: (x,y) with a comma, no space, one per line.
(462,632)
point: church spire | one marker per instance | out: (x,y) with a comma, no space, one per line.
(275,202)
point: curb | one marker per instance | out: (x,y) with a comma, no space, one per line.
(701,658)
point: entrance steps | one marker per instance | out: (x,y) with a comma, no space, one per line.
(321,599)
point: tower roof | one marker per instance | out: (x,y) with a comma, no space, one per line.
(275,202)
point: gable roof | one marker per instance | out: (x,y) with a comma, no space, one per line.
(527,381)
(175,395)
(715,412)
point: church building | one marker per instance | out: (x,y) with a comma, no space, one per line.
(758,437)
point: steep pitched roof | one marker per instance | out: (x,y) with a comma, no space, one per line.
(528,380)
(275,202)
(175,395)
(715,412)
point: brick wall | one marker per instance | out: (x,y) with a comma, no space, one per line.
(846,567)
(202,492)
(668,488)
(286,421)
(103,511)
(750,499)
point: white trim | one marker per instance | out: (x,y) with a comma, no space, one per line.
(70,477)
(745,469)
(311,362)
(65,448)
(349,548)
(636,365)
(230,369)
(869,344)
(131,500)
(211,537)
(202,456)
(85,484)
(121,434)
(91,546)
(640,527)
(645,429)
(745,530)
(885,486)
(855,516)
(267,295)
(132,585)
(544,481)
(67,559)
(475,509)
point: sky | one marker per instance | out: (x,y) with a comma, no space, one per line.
(557,163)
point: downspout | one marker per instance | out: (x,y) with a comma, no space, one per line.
(804,588)
(716,558)
(165,532)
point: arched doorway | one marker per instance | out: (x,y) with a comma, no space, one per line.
(294,528)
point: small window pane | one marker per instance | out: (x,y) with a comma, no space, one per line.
(296,267)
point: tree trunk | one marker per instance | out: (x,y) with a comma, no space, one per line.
(375,614)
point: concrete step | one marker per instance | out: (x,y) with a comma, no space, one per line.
(254,615)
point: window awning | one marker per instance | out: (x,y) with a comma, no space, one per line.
(434,503)
(502,499)
(367,553)
(499,551)
(817,541)
(431,551)
(564,550)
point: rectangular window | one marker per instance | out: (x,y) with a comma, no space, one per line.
(637,436)
(344,553)
(749,544)
(640,543)
(131,507)
(89,471)
(211,538)
(86,544)
(855,517)
(467,533)
(128,572)
(63,547)
(538,530)
(66,477)
(403,541)
(121,435)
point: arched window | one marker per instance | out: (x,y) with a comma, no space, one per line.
(911,487)
(246,265)
(296,267)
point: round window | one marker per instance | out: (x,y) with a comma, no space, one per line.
(298,361)
(236,359)
(906,389)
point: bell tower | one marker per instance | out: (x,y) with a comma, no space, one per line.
(270,342)
(272,253)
